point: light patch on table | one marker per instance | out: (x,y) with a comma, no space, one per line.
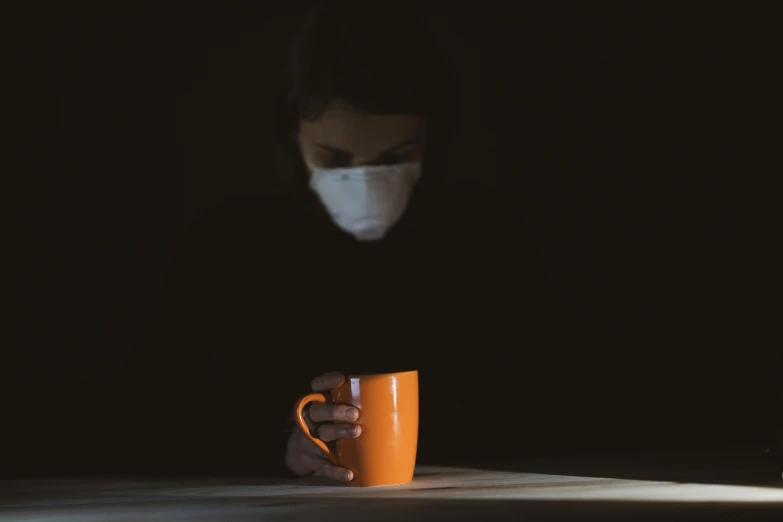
(430,483)
(446,483)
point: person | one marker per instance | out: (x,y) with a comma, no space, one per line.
(369,258)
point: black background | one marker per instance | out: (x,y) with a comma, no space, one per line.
(152,113)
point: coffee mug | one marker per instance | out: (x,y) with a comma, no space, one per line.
(385,452)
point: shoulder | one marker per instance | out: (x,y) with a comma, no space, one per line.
(467,197)
(487,210)
(260,213)
(238,226)
(496,223)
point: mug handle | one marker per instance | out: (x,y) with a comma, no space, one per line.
(300,422)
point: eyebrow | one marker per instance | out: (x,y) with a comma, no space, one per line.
(341,152)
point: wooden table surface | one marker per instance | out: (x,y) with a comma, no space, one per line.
(436,493)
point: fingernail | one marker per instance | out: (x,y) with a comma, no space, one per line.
(346,475)
(352,431)
(352,413)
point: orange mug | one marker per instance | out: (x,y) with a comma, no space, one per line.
(385,452)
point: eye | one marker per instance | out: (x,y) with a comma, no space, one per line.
(336,164)
(396,158)
(336,161)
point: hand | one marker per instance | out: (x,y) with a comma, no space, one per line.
(334,421)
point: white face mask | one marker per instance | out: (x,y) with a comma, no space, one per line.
(366,201)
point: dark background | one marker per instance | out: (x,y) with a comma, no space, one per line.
(152,113)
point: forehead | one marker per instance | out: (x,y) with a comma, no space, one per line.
(360,134)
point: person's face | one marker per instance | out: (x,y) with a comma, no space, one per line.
(343,137)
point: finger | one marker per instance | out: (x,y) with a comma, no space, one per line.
(327,381)
(324,412)
(323,468)
(330,432)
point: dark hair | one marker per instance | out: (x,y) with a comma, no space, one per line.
(378,61)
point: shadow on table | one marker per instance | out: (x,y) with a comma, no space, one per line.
(323,509)
(411,509)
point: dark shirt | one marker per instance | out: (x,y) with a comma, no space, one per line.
(265,294)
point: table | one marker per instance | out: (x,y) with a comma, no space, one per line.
(437,493)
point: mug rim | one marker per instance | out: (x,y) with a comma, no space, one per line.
(368,375)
